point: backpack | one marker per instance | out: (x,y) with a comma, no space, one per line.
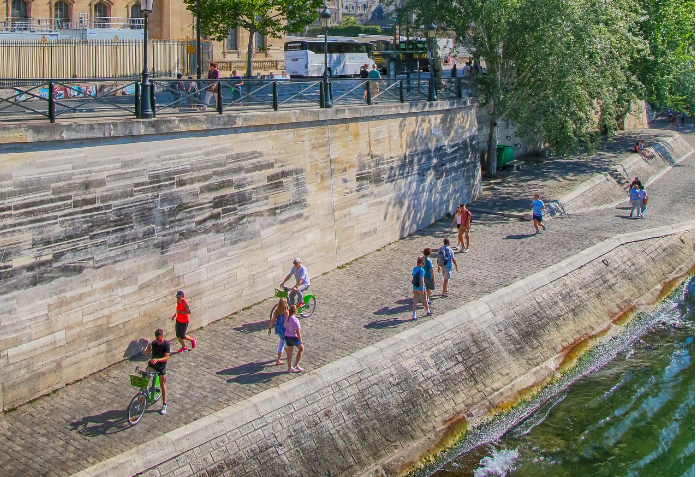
(443,258)
(416,280)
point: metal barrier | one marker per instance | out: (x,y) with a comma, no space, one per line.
(106,97)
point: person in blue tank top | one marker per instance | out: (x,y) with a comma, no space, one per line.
(278,322)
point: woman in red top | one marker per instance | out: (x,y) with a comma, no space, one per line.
(182,320)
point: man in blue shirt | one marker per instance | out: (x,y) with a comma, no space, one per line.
(302,281)
(538,208)
(375,79)
(444,263)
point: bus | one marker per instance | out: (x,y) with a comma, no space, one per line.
(412,54)
(304,58)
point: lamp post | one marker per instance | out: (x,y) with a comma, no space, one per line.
(325,16)
(396,44)
(432,90)
(199,53)
(410,19)
(146,111)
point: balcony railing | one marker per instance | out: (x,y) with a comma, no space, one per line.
(78,22)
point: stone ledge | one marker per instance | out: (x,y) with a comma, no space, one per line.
(115,128)
(146,456)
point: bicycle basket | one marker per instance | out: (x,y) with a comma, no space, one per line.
(281,293)
(138,381)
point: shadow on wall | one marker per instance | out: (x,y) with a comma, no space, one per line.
(135,349)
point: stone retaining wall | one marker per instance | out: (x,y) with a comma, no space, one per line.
(103,222)
(366,413)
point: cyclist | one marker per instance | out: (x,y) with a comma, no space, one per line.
(182,321)
(302,281)
(159,350)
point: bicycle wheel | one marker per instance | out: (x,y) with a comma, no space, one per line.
(310,305)
(137,407)
(273,310)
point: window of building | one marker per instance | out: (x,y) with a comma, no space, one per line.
(232,40)
(135,11)
(101,10)
(259,41)
(20,10)
(61,14)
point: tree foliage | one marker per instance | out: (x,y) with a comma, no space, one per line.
(267,17)
(667,70)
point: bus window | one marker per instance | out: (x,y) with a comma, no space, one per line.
(297,46)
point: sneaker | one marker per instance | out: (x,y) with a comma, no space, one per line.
(414,317)
(429,313)
(297,369)
(163,411)
(430,302)
(193,343)
(466,250)
(543,226)
(182,349)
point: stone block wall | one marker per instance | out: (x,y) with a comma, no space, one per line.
(101,226)
(366,413)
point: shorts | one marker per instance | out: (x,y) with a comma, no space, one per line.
(463,228)
(159,368)
(292,341)
(429,283)
(447,272)
(417,289)
(538,218)
(180,329)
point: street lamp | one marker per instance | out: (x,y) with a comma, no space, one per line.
(432,91)
(410,19)
(146,111)
(396,45)
(325,16)
(199,53)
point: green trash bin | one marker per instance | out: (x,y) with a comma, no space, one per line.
(505,155)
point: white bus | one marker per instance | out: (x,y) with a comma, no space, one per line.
(306,57)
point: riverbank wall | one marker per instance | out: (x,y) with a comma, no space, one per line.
(377,411)
(103,222)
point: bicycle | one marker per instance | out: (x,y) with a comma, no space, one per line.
(305,311)
(146,396)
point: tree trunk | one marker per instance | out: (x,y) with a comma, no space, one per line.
(250,50)
(491,154)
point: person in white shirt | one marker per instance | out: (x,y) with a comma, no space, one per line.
(302,281)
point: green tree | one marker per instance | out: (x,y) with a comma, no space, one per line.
(560,68)
(667,71)
(266,17)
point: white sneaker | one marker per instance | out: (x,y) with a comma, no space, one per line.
(163,411)
(414,317)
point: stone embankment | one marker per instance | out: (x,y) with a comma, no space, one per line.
(375,412)
(103,222)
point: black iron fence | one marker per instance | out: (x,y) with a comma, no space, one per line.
(106,97)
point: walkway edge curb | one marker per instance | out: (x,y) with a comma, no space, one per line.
(251,411)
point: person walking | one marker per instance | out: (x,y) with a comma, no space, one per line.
(159,350)
(445,260)
(418,282)
(429,278)
(278,322)
(237,83)
(458,220)
(293,338)
(364,74)
(642,201)
(211,87)
(182,321)
(465,226)
(635,200)
(375,79)
(538,208)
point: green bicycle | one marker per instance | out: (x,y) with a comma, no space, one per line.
(305,311)
(148,394)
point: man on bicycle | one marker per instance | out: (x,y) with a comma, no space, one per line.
(302,279)
(159,349)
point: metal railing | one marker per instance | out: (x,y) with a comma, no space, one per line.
(106,97)
(78,22)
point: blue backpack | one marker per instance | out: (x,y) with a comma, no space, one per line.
(416,280)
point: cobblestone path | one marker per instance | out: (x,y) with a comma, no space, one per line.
(364,302)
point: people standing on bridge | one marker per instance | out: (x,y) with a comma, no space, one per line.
(237,82)
(418,282)
(375,78)
(278,322)
(538,208)
(302,282)
(178,90)
(453,72)
(182,321)
(635,200)
(211,87)
(445,260)
(364,74)
(293,338)
(159,350)
(643,201)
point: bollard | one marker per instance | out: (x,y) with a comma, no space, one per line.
(459,88)
(218,98)
(137,100)
(275,96)
(51,102)
(401,90)
(152,100)
(369,92)
(322,100)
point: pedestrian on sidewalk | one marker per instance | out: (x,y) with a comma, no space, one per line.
(429,276)
(211,87)
(445,260)
(643,201)
(182,321)
(293,338)
(159,350)
(466,224)
(538,208)
(278,322)
(635,200)
(458,220)
(418,282)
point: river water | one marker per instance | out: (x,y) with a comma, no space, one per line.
(626,410)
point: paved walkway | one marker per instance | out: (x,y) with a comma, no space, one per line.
(365,302)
